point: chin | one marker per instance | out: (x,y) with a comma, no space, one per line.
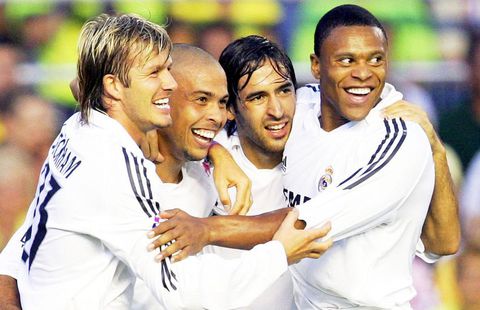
(195,156)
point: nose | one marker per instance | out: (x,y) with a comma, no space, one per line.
(168,82)
(275,107)
(361,71)
(217,114)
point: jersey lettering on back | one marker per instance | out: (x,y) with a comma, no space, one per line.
(37,231)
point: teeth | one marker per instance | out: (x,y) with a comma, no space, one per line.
(359,91)
(162,103)
(208,134)
(276,127)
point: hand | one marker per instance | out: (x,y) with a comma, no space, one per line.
(408,111)
(301,244)
(228,174)
(149,146)
(190,234)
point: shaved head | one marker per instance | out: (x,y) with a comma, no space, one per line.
(188,58)
(198,105)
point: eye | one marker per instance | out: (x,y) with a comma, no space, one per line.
(256,98)
(223,103)
(346,60)
(286,90)
(377,60)
(154,72)
(202,100)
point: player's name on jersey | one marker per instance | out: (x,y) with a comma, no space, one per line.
(64,159)
(294,199)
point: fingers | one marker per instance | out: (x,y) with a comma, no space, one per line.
(168,214)
(317,233)
(244,198)
(222,189)
(161,228)
(181,255)
(149,147)
(320,247)
(163,239)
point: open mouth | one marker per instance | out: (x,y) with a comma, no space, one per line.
(162,103)
(359,91)
(204,135)
(276,127)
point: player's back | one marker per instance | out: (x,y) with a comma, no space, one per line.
(65,265)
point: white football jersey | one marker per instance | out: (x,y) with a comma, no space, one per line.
(194,194)
(84,240)
(267,196)
(373,180)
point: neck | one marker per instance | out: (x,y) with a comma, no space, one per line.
(134,132)
(169,170)
(329,119)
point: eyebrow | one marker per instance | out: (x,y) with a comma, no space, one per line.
(287,83)
(202,92)
(165,64)
(353,55)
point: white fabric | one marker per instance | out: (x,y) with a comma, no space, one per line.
(194,194)
(96,226)
(377,214)
(267,196)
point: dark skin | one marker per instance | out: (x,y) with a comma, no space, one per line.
(10,299)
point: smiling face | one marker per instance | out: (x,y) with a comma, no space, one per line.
(198,109)
(264,114)
(144,104)
(351,69)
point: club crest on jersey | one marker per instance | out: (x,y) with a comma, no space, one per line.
(326,179)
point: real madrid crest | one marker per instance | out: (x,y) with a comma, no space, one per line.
(325,179)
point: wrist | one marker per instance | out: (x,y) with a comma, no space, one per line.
(212,151)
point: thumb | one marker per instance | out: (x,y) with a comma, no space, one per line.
(291,218)
(223,195)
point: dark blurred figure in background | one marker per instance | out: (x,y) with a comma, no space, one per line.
(31,124)
(17,187)
(10,58)
(215,37)
(460,127)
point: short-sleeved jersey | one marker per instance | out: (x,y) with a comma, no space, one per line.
(267,196)
(373,180)
(84,240)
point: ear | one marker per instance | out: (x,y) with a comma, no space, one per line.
(112,87)
(315,66)
(230,113)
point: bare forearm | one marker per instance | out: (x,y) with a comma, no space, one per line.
(244,232)
(441,230)
(9,296)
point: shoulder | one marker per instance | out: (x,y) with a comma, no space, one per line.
(402,137)
(308,94)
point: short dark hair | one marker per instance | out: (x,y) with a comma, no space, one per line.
(340,16)
(245,56)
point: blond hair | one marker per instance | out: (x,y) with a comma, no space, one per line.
(109,45)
